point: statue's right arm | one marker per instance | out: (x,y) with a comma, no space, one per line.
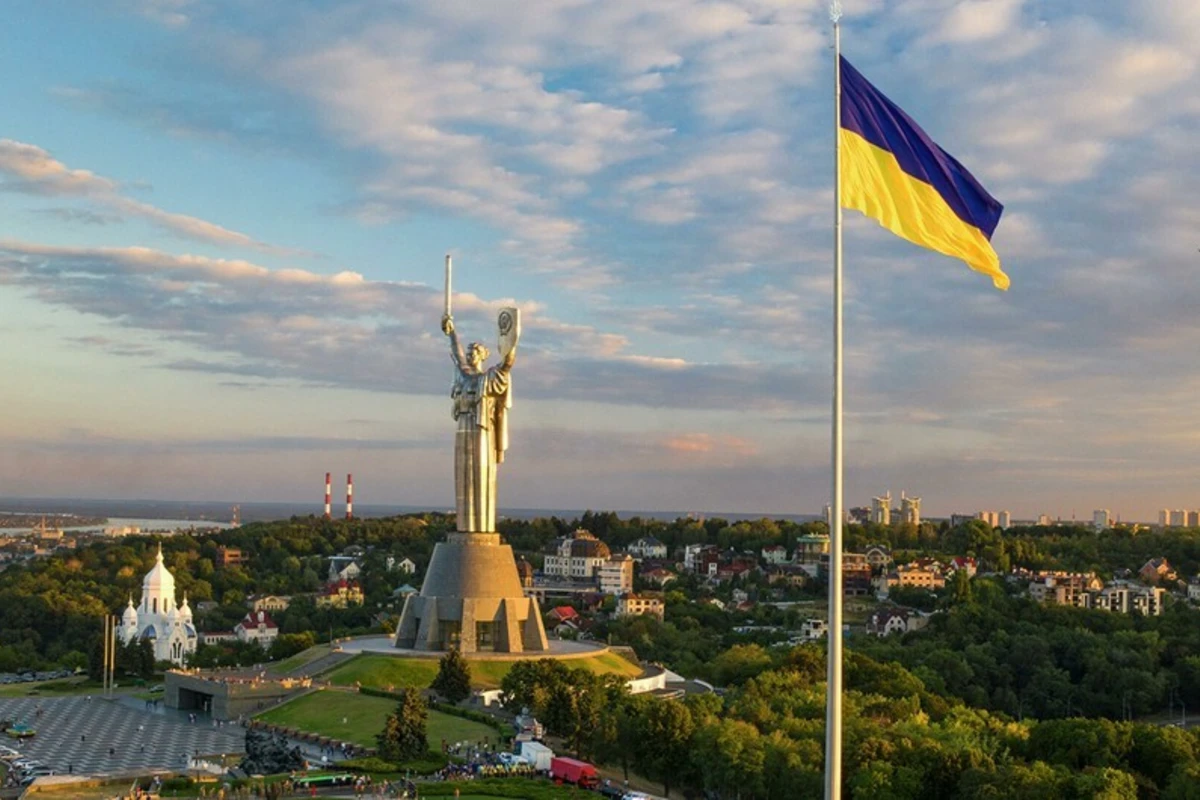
(456,353)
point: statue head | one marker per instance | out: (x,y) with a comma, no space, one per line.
(477,355)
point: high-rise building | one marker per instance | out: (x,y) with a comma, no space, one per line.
(992,518)
(1101,519)
(1005,521)
(1178,518)
(1164,517)
(1045,520)
(910,509)
(881,509)
(1193,519)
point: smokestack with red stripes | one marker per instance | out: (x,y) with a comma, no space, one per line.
(328,496)
(349,496)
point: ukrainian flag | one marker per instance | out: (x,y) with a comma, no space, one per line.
(893,172)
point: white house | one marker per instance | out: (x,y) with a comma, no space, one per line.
(647,547)
(257,626)
(775,554)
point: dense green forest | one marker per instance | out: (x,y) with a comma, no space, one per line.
(765,738)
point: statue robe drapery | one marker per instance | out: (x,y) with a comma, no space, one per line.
(481,403)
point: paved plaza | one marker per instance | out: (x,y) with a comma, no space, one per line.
(74,733)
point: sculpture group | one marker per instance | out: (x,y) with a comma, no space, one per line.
(472,598)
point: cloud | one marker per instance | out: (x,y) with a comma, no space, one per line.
(30,169)
(249,321)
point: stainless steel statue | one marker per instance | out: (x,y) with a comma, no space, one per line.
(472,598)
(481,400)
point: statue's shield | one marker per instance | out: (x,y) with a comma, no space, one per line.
(509,321)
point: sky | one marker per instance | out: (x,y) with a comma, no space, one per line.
(223,223)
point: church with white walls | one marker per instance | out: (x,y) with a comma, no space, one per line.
(169,628)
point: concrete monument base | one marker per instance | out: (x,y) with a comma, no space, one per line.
(472,601)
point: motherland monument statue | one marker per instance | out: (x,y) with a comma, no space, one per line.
(472,598)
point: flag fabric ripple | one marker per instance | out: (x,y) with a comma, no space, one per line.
(894,173)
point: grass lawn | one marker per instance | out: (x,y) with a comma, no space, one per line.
(62,686)
(323,712)
(292,663)
(382,672)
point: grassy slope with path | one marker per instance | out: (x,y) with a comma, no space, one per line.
(323,712)
(382,672)
(293,663)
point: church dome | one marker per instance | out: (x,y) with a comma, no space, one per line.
(158,587)
(130,615)
(185,611)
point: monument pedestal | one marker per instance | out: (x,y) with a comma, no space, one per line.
(472,600)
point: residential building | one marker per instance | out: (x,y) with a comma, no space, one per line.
(789,574)
(910,509)
(1065,588)
(708,562)
(257,626)
(562,614)
(645,604)
(856,574)
(217,637)
(1193,519)
(775,554)
(1157,570)
(813,629)
(578,557)
(339,594)
(964,563)
(690,553)
(992,518)
(1005,521)
(1044,520)
(269,602)
(809,549)
(343,568)
(1178,518)
(918,574)
(616,575)
(1193,590)
(406,566)
(878,556)
(1164,517)
(735,568)
(229,557)
(1101,519)
(647,547)
(881,509)
(886,621)
(659,577)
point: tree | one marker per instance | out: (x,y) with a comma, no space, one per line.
(664,735)
(403,735)
(453,680)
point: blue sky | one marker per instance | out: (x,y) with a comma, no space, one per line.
(222,227)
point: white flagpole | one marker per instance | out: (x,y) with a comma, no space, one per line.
(833,679)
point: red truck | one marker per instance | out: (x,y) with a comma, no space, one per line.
(572,770)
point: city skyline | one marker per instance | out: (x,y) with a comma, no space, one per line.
(223,226)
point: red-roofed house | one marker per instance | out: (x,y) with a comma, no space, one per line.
(562,614)
(257,626)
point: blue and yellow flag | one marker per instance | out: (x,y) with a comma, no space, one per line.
(893,172)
